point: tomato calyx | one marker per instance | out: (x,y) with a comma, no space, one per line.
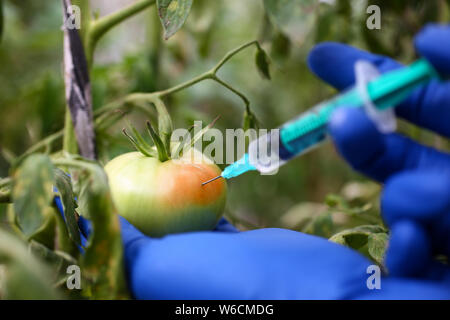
(163,150)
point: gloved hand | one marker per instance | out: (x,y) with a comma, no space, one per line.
(416,197)
(284,264)
(259,264)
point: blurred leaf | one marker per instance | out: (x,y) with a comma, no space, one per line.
(299,216)
(295,18)
(58,260)
(203,23)
(333,200)
(321,226)
(80,181)
(9,156)
(262,62)
(364,229)
(358,239)
(102,261)
(344,7)
(377,246)
(173,14)
(358,202)
(47,233)
(281,47)
(22,276)
(334,22)
(360,191)
(62,181)
(32,192)
(374,41)
(63,242)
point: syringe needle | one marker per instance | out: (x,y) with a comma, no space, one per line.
(211,180)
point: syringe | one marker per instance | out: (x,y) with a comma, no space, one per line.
(378,94)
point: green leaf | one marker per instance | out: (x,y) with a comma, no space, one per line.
(64,185)
(33,192)
(301,215)
(22,275)
(173,14)
(262,62)
(365,230)
(101,264)
(334,200)
(296,18)
(281,47)
(47,232)
(360,192)
(321,225)
(80,186)
(58,260)
(376,244)
(368,239)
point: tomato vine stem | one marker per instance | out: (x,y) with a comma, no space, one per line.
(139,99)
(210,74)
(97,28)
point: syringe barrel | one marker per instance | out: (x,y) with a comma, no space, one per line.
(309,129)
(298,136)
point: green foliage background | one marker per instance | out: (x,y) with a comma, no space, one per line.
(317,193)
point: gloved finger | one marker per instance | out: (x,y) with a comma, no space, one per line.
(409,250)
(433,43)
(334,63)
(422,196)
(379,155)
(85,226)
(426,106)
(225,226)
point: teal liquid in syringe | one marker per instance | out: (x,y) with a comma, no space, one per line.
(309,129)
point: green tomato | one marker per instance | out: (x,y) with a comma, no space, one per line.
(166,197)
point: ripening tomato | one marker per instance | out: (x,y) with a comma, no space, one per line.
(161,197)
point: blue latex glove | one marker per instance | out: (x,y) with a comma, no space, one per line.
(416,197)
(284,264)
(259,264)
